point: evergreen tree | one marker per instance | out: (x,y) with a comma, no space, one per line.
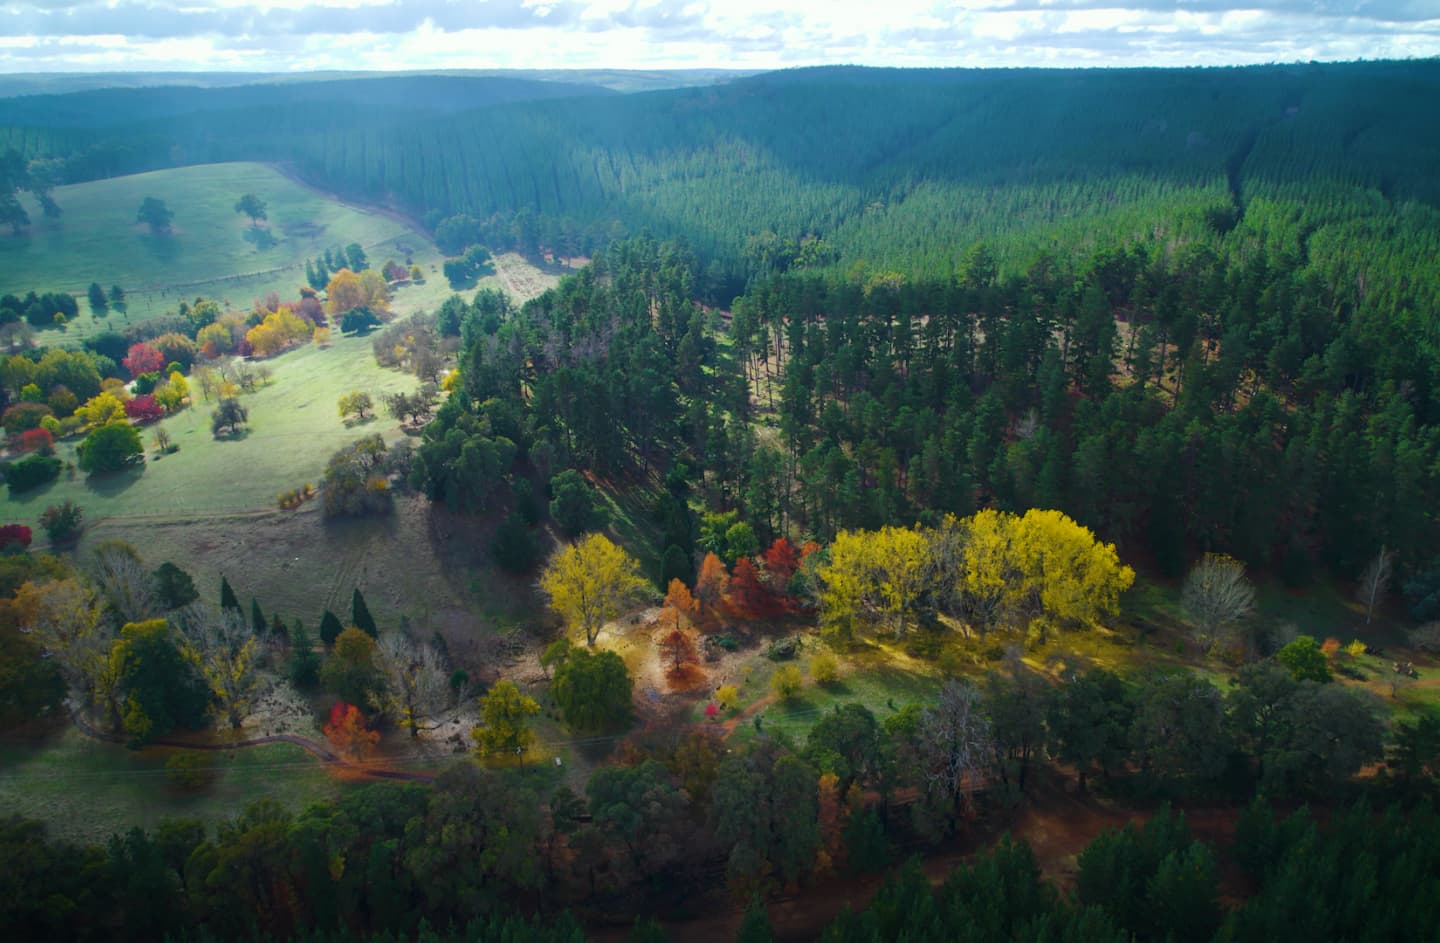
(330,628)
(360,615)
(257,618)
(228,599)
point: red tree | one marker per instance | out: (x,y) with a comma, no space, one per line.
(748,596)
(347,732)
(37,440)
(143,409)
(678,650)
(781,562)
(143,358)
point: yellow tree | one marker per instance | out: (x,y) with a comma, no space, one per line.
(1068,575)
(224,648)
(504,730)
(591,582)
(348,290)
(985,574)
(101,410)
(66,618)
(886,572)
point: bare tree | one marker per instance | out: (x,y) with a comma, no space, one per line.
(124,580)
(1216,597)
(955,741)
(417,682)
(226,649)
(1375,582)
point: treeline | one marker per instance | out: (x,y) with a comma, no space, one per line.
(680,813)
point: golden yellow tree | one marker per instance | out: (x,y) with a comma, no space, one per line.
(101,410)
(349,290)
(67,619)
(1070,576)
(503,730)
(591,582)
(887,573)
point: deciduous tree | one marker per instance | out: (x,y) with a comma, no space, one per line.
(1216,596)
(504,728)
(591,582)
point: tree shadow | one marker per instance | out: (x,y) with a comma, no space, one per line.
(235,435)
(109,484)
(162,245)
(261,239)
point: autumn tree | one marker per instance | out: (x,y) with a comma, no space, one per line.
(1216,597)
(591,582)
(504,726)
(678,649)
(884,574)
(711,586)
(350,671)
(348,290)
(143,358)
(348,733)
(679,604)
(162,688)
(66,618)
(226,650)
(748,596)
(357,404)
(417,681)
(782,560)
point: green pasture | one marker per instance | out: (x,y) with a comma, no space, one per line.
(211,250)
(86,789)
(294,427)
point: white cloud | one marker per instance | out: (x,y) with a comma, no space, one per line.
(38,35)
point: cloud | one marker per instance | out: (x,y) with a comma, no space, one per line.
(258,35)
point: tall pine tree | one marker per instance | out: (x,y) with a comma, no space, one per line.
(360,615)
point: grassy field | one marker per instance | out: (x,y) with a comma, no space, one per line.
(86,789)
(211,249)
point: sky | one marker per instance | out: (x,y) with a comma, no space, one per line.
(304,35)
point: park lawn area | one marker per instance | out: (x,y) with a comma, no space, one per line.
(294,427)
(211,251)
(85,789)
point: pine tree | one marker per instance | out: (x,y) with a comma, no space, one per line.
(360,615)
(330,628)
(227,596)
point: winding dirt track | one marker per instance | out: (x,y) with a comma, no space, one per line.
(317,750)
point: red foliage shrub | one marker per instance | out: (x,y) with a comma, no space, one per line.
(37,440)
(143,409)
(347,732)
(14,537)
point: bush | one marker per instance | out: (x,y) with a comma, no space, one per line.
(787,682)
(110,448)
(824,668)
(14,537)
(728,697)
(354,484)
(32,472)
(783,649)
(62,522)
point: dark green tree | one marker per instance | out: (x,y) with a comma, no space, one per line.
(173,587)
(228,599)
(360,615)
(592,689)
(154,213)
(330,628)
(110,448)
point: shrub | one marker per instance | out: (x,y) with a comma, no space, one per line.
(188,771)
(40,440)
(110,448)
(62,522)
(824,668)
(14,537)
(728,697)
(787,682)
(32,472)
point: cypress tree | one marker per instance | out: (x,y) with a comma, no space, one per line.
(227,596)
(304,663)
(360,615)
(330,628)
(257,618)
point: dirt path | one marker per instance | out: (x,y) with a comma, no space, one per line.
(317,750)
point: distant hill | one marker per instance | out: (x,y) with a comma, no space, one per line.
(903,169)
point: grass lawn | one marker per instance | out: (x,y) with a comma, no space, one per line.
(86,789)
(294,428)
(211,249)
